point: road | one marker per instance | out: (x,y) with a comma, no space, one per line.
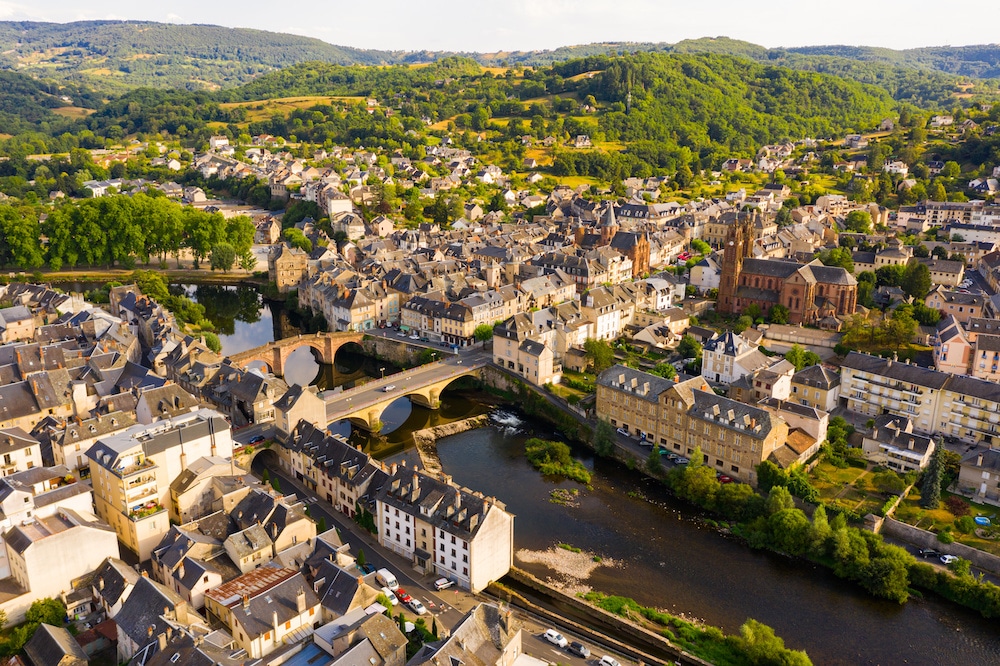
(341,403)
(393,334)
(448,606)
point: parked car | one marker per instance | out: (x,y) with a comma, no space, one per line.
(403,596)
(608,661)
(722,478)
(948,559)
(681,460)
(401,334)
(443,584)
(554,637)
(390,596)
(623,431)
(579,649)
(414,337)
(928,552)
(388,388)
(417,607)
(366,568)
(256,439)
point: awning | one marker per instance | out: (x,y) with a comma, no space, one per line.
(404,329)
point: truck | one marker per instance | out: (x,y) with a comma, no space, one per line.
(385,577)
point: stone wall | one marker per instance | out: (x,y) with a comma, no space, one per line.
(924,539)
(394,351)
(426,439)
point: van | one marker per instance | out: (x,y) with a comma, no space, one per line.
(385,577)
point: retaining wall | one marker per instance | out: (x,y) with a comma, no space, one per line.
(925,539)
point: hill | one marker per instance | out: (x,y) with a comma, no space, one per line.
(27,104)
(118,55)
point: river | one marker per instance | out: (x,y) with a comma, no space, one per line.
(667,558)
(672,561)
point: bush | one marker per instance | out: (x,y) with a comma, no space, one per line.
(946,536)
(958,506)
(965,525)
(554,459)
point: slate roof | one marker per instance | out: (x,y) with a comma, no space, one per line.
(51,645)
(117,577)
(816,376)
(143,609)
(732,414)
(621,377)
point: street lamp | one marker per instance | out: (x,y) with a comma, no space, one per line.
(382,370)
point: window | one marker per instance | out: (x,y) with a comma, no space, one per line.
(288,625)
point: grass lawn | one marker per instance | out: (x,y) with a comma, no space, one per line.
(576,181)
(935,520)
(837,486)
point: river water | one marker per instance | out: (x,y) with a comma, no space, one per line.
(667,558)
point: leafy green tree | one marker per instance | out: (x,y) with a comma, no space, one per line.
(222,257)
(689,347)
(858,221)
(600,353)
(604,438)
(321,524)
(951,169)
(212,341)
(240,232)
(778,499)
(361,559)
(296,238)
(665,370)
(654,465)
(700,246)
(753,311)
(838,256)
(917,280)
(930,488)
(801,358)
(483,332)
(770,476)
(888,482)
(778,314)
(762,647)
(742,324)
(46,611)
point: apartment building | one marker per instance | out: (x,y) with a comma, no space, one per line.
(893,443)
(938,403)
(729,356)
(444,529)
(817,387)
(132,472)
(19,451)
(734,437)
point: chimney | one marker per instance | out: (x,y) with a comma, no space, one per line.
(416,482)
(274,624)
(300,599)
(149,631)
(909,444)
(180,571)
(393,468)
(162,640)
(979,460)
(100,583)
(246,602)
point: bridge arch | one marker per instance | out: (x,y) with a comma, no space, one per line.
(276,354)
(429,396)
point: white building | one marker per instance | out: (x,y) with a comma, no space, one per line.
(729,356)
(445,530)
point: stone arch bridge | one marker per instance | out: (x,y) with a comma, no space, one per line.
(363,406)
(275,354)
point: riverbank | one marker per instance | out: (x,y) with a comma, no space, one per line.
(172,275)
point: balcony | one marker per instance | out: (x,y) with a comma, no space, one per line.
(145,511)
(129,470)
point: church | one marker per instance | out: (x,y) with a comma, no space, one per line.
(813,293)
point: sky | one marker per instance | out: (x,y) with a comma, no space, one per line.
(449,25)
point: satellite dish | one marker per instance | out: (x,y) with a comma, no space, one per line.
(731,243)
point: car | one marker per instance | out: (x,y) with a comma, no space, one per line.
(623,431)
(554,637)
(443,584)
(256,439)
(722,478)
(608,661)
(414,337)
(948,559)
(425,339)
(672,457)
(401,334)
(366,568)
(390,596)
(388,387)
(681,460)
(928,552)
(403,596)
(579,649)
(417,607)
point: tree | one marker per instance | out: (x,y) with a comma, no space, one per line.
(653,463)
(753,311)
(921,251)
(951,169)
(276,485)
(801,358)
(665,370)
(361,558)
(916,280)
(930,488)
(223,256)
(321,524)
(296,238)
(247,261)
(889,482)
(742,324)
(689,347)
(778,314)
(600,353)
(762,646)
(858,221)
(212,341)
(47,611)
(838,256)
(483,332)
(604,438)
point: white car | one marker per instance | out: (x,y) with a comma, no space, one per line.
(390,596)
(608,661)
(388,388)
(948,559)
(554,637)
(417,607)
(443,584)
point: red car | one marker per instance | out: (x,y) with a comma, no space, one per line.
(684,256)
(724,479)
(403,596)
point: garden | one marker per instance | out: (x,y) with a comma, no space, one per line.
(954,520)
